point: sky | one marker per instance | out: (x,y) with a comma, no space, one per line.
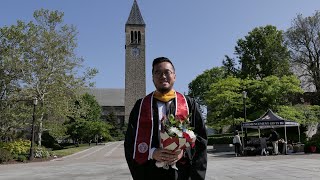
(195,35)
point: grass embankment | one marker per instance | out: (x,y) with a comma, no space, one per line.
(71,150)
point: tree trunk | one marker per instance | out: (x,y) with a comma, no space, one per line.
(40,130)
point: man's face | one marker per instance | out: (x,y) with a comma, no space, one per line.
(163,77)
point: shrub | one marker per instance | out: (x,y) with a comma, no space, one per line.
(315,137)
(50,142)
(52,154)
(41,152)
(307,146)
(314,141)
(18,147)
(220,140)
(5,155)
(22,158)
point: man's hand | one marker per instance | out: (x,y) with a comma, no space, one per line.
(179,155)
(164,155)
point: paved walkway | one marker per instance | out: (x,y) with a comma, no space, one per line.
(107,162)
(224,166)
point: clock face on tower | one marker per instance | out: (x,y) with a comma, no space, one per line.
(135,52)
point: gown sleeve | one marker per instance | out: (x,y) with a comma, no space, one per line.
(130,138)
(199,152)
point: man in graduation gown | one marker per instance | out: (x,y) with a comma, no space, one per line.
(142,140)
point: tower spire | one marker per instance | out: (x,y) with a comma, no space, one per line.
(135,47)
(135,17)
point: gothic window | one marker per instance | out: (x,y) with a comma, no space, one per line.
(135,37)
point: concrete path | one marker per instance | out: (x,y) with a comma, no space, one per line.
(107,162)
(225,166)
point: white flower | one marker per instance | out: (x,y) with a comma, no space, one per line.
(191,134)
(175,131)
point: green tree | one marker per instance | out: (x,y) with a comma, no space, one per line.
(303,114)
(101,130)
(303,40)
(84,120)
(201,84)
(94,111)
(118,130)
(225,101)
(48,66)
(229,64)
(263,53)
(273,91)
(306,115)
(10,74)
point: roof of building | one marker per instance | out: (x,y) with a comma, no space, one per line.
(107,96)
(135,17)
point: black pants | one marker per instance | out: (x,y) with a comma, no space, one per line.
(237,148)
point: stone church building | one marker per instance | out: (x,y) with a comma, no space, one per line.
(121,101)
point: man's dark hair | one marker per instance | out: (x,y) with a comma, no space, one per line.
(160,60)
(236,132)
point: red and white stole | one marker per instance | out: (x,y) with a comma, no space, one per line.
(144,132)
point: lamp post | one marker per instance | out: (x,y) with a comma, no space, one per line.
(35,102)
(244,97)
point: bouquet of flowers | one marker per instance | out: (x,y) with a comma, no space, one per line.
(175,135)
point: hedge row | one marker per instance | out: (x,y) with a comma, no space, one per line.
(220,140)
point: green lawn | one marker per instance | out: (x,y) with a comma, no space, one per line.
(71,150)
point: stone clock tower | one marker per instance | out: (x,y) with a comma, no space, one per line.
(135,85)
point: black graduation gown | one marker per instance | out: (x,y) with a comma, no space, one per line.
(194,164)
